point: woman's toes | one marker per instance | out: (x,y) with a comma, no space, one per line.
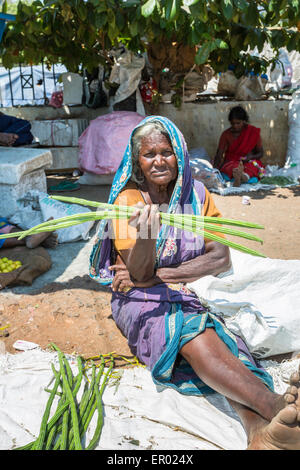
(295,378)
(289,415)
(291,394)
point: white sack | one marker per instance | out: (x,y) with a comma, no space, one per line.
(259,301)
(26,218)
(202,170)
(57,209)
(282,74)
(293,150)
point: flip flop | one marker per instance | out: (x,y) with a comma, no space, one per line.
(65,186)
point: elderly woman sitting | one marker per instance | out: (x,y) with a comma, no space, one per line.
(148,265)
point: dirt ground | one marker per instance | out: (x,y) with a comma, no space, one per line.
(76,316)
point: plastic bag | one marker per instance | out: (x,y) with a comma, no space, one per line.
(293,150)
(250,88)
(227,83)
(281,76)
(103,143)
(202,170)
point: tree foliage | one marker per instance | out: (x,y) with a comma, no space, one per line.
(79,33)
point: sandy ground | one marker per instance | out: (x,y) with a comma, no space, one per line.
(66,307)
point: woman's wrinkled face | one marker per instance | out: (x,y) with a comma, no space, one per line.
(237,124)
(157,160)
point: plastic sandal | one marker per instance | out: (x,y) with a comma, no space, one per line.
(65,186)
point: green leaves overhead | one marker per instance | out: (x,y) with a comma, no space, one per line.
(208,47)
(148,8)
(227,9)
(79,33)
(189,3)
(171,9)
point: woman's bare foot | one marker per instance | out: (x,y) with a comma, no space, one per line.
(51,241)
(46,239)
(283,432)
(238,175)
(7,140)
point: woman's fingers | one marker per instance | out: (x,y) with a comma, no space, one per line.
(147,221)
(121,281)
(118,267)
(134,219)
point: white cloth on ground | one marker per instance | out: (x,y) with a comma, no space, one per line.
(136,415)
(259,300)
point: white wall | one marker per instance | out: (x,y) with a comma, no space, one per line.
(202,124)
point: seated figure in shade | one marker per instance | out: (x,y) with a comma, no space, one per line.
(14,132)
(240,150)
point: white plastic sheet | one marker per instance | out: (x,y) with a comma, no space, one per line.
(259,300)
(136,415)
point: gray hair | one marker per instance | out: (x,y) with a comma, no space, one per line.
(143,131)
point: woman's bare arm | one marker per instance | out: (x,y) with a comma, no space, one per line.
(214,261)
(218,160)
(257,152)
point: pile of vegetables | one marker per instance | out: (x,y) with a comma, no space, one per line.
(8,265)
(69,422)
(201,225)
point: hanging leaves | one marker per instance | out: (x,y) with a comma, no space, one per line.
(78,33)
(148,8)
(227,9)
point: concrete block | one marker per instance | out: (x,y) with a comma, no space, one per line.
(11,193)
(16,162)
(64,157)
(58,132)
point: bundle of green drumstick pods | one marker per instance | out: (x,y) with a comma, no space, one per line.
(202,225)
(68,424)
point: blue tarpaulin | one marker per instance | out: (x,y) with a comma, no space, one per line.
(3,20)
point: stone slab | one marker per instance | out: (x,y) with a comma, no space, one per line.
(64,157)
(11,193)
(16,162)
(58,132)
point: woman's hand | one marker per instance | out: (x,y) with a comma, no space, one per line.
(248,157)
(122,280)
(140,260)
(146,220)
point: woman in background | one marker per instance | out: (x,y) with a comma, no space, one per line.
(240,150)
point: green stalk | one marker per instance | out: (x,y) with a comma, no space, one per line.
(99,394)
(52,225)
(71,398)
(207,219)
(234,245)
(50,437)
(63,429)
(40,440)
(201,229)
(189,222)
(130,210)
(88,408)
